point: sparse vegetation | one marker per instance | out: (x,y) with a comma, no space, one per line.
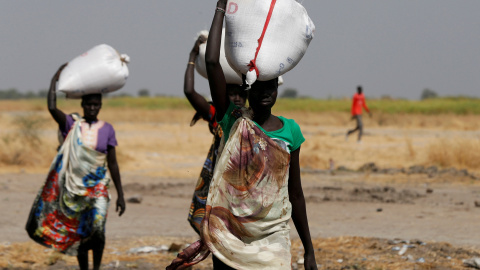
(459,152)
(22,145)
(446,105)
(29,138)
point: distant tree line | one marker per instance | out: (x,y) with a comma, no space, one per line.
(13,93)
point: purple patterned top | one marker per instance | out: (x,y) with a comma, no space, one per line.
(99,135)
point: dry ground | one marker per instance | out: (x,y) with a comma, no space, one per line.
(352,215)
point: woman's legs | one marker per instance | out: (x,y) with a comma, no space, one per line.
(97,249)
(82,256)
(96,243)
(219,265)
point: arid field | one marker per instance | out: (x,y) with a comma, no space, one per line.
(406,197)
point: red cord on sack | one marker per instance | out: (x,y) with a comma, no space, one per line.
(252,63)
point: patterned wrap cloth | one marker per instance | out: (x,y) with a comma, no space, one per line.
(248,208)
(199,200)
(200,194)
(72,204)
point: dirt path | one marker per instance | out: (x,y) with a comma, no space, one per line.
(351,204)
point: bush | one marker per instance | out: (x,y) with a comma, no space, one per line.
(143,93)
(289,93)
(428,94)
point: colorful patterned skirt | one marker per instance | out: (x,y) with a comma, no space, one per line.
(199,200)
(72,204)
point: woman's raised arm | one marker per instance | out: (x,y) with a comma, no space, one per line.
(199,103)
(57,114)
(216,77)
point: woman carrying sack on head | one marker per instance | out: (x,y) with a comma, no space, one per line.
(256,185)
(70,211)
(206,111)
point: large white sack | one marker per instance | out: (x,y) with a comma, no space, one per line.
(231,76)
(286,39)
(99,70)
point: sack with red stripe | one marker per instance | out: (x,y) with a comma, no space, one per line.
(265,39)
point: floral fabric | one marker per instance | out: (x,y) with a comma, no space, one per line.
(248,208)
(72,204)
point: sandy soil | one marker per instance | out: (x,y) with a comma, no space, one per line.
(347,203)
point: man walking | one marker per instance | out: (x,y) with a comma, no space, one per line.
(357,105)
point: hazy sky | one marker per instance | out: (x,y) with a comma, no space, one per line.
(391,47)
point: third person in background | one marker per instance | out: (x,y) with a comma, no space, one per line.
(206,111)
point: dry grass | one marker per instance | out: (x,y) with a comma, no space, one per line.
(155,138)
(384,120)
(459,152)
(411,151)
(331,253)
(22,141)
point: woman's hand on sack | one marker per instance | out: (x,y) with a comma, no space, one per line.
(59,71)
(223,3)
(196,47)
(120,206)
(309,261)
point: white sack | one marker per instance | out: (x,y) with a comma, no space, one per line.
(100,70)
(286,40)
(231,75)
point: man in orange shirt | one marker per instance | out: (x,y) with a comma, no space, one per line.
(357,105)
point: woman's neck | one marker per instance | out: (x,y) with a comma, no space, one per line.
(90,121)
(260,117)
(267,120)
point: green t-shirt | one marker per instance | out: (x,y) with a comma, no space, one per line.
(290,134)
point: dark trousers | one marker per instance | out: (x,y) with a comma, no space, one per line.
(359,127)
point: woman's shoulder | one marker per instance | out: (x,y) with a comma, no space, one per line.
(292,131)
(289,123)
(292,126)
(108,126)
